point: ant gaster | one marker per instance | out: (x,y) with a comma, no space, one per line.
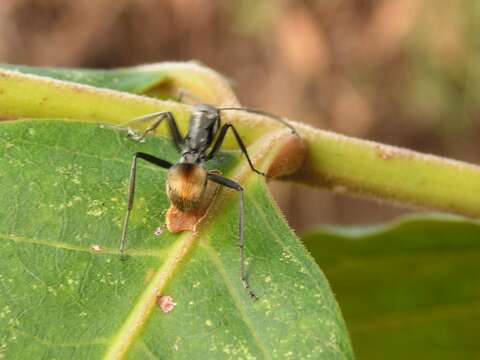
(187,178)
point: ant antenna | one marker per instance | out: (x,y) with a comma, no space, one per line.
(184,93)
(261,112)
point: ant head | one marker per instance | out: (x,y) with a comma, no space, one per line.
(206,110)
(210,116)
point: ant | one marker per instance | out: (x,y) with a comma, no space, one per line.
(187,178)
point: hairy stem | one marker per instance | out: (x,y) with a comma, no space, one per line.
(340,163)
(365,168)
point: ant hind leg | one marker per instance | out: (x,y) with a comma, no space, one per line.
(131,191)
(241,241)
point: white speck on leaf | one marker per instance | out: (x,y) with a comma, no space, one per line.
(177,342)
(96,248)
(95,212)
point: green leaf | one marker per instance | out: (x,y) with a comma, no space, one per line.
(408,290)
(127,79)
(163,80)
(63,190)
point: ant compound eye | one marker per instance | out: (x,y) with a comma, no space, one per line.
(215,126)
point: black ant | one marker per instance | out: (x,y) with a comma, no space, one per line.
(187,178)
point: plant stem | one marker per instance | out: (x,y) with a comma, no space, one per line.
(340,163)
(348,165)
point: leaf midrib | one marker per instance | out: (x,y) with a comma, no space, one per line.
(140,313)
(95,341)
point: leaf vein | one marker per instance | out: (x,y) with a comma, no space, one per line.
(66,246)
(236,300)
(96,341)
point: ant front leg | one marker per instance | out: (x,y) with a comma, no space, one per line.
(221,138)
(158,118)
(131,190)
(241,241)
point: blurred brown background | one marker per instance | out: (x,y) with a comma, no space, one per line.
(400,72)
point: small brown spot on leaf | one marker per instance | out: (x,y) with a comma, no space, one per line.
(165,303)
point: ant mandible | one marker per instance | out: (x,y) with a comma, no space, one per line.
(187,178)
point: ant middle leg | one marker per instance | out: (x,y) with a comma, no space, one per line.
(218,144)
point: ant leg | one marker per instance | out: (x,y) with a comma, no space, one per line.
(219,142)
(158,118)
(181,94)
(241,241)
(131,191)
(184,93)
